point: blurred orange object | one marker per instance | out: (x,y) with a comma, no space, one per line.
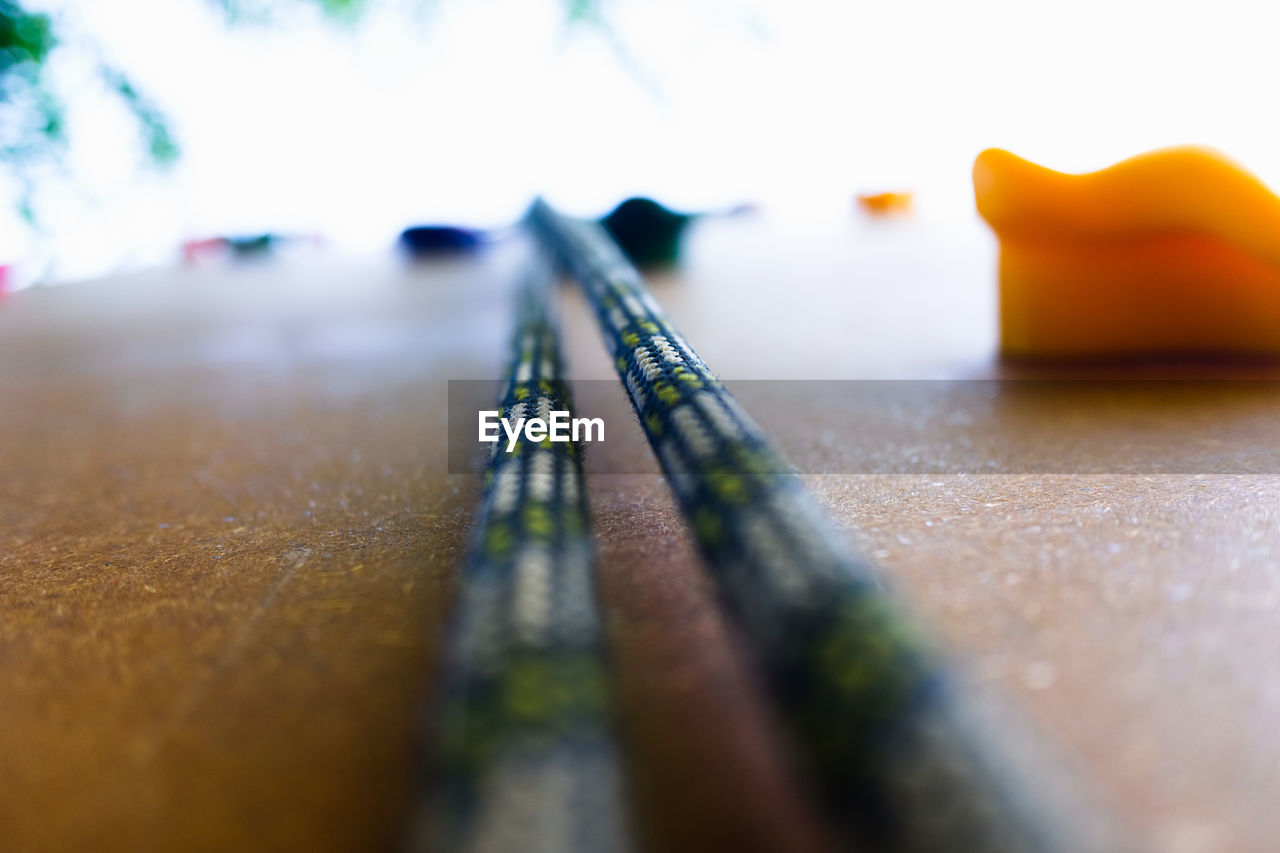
(883,204)
(1173,251)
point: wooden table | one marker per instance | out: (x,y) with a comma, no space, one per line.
(229,539)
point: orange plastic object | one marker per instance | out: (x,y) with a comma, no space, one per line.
(1174,251)
(881,204)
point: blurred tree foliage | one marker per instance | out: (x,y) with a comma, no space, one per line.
(31,122)
(239,11)
(32,116)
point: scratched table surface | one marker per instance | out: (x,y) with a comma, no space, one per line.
(229,543)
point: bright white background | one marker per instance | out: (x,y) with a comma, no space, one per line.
(462,111)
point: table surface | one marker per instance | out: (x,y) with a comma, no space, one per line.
(229,541)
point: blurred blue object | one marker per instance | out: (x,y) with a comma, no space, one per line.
(428,241)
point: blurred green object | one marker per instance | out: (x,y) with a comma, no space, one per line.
(262,10)
(648,233)
(160,144)
(25,38)
(32,125)
(253,246)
